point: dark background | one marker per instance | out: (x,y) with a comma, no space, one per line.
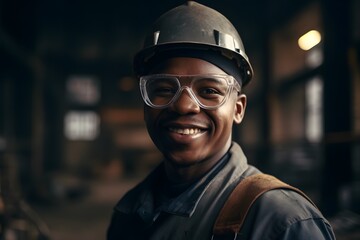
(44,45)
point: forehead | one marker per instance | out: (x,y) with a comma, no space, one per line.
(186,66)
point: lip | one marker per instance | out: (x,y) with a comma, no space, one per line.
(184,132)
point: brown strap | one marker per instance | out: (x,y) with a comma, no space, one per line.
(243,196)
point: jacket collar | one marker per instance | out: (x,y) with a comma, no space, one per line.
(233,164)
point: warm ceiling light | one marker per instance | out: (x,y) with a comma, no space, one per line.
(309,40)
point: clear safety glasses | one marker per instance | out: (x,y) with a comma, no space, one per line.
(208,91)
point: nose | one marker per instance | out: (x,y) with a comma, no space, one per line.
(185,103)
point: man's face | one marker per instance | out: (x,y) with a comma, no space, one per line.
(185,133)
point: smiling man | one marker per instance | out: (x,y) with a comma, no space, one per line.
(193,106)
(191,71)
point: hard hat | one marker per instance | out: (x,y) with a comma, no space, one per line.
(194,27)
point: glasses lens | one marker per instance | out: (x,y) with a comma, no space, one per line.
(161,89)
(210,91)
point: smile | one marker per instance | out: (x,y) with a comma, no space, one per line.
(186,131)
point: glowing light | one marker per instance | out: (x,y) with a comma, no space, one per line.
(309,40)
(82,125)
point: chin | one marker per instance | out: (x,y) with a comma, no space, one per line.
(183,159)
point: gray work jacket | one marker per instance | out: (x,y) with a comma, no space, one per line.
(277,214)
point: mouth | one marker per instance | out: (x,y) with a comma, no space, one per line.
(186,131)
(183,131)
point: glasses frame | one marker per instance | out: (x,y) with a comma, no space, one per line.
(231,82)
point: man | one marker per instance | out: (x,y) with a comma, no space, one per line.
(191,72)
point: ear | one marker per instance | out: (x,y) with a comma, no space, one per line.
(240,107)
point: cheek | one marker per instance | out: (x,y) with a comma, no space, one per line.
(226,113)
(150,114)
(223,119)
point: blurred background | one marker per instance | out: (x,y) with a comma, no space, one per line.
(72,137)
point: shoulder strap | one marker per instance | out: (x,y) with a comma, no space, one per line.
(235,209)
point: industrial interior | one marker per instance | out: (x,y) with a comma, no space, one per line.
(72,136)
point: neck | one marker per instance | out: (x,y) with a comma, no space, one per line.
(192,172)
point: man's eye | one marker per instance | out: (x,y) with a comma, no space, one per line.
(164,91)
(209,92)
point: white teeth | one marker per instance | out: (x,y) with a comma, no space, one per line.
(186,131)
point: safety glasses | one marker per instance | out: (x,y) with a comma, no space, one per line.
(208,91)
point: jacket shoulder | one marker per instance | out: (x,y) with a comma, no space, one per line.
(278,210)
